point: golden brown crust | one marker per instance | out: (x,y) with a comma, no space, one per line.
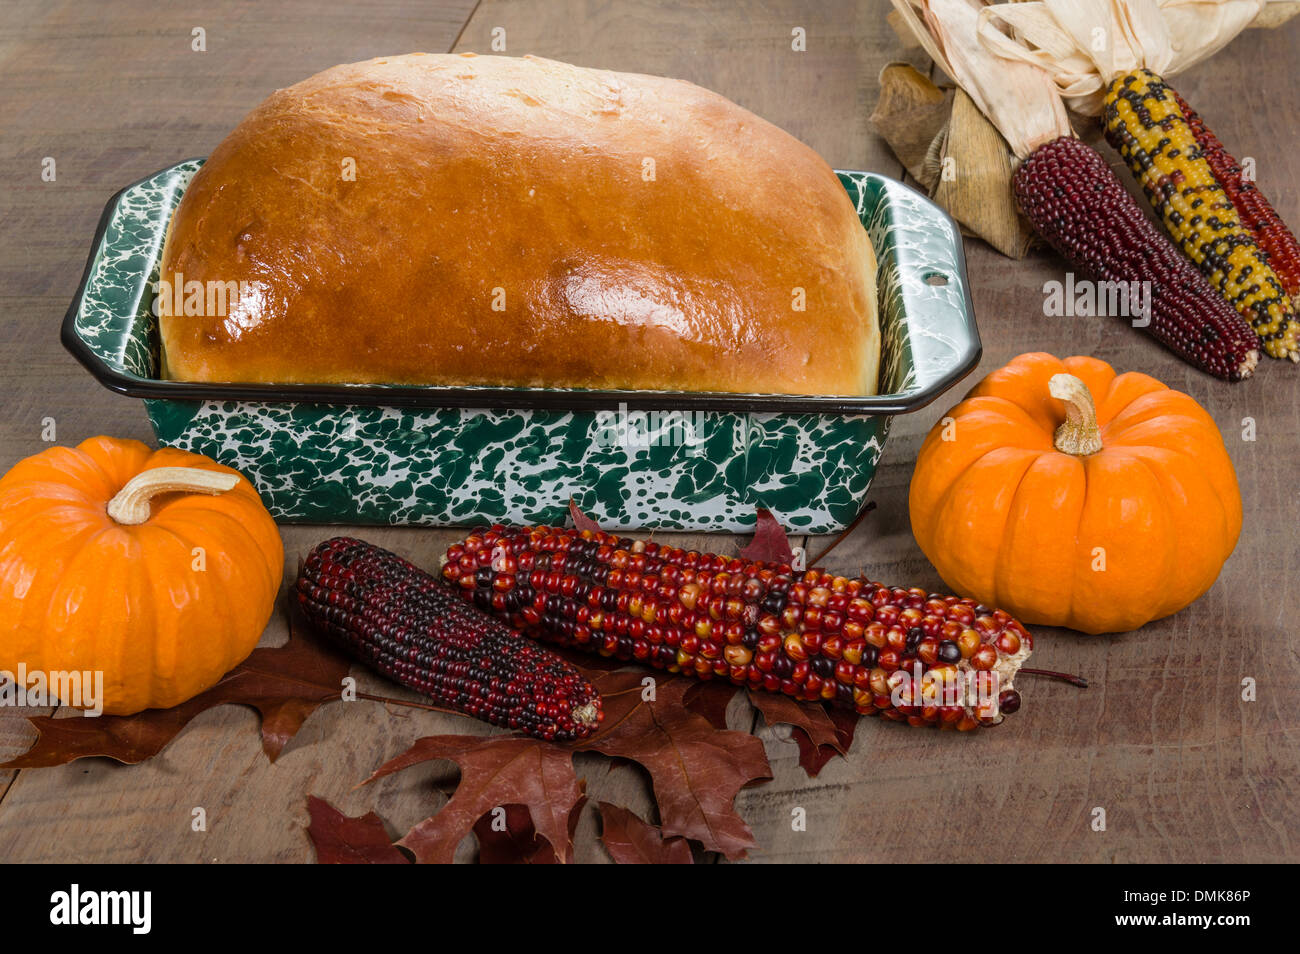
(505,226)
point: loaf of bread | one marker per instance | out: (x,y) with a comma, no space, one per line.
(483,220)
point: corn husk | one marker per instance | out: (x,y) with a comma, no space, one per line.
(912,115)
(926,125)
(1084,44)
(980,193)
(954,153)
(1018,97)
(964,162)
(1274,14)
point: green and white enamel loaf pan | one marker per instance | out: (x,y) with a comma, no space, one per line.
(456,456)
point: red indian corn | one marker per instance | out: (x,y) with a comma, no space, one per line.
(1276,240)
(1144,122)
(414,629)
(1074,200)
(904,654)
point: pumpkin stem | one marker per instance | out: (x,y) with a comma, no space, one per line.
(1079,435)
(131,505)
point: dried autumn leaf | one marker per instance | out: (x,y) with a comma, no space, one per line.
(809,718)
(580,520)
(696,769)
(631,841)
(821,732)
(623,690)
(711,700)
(770,543)
(588,664)
(128,739)
(284,684)
(509,837)
(812,757)
(342,840)
(495,771)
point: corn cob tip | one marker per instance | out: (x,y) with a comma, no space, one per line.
(587,714)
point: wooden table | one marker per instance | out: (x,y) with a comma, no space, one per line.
(1185,770)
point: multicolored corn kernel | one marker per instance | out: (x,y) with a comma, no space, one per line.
(1075,201)
(810,635)
(1274,238)
(1145,123)
(414,629)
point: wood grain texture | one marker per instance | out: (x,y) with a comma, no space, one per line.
(1184,769)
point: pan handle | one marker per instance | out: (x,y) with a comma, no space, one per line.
(108,327)
(929,340)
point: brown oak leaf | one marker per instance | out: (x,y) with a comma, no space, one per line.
(631,841)
(770,543)
(342,840)
(284,684)
(580,520)
(821,732)
(814,760)
(517,842)
(711,699)
(495,771)
(696,770)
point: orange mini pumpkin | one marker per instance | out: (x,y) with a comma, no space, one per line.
(157,568)
(1099,517)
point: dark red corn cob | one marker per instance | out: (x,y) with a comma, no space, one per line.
(414,629)
(1256,212)
(908,655)
(1075,201)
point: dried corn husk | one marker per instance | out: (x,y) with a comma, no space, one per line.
(912,115)
(1084,44)
(1185,32)
(947,145)
(965,164)
(1274,14)
(974,183)
(1018,97)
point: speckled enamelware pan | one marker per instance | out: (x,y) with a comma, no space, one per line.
(454,456)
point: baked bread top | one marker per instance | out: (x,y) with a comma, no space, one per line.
(482,220)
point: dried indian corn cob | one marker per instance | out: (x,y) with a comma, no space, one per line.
(907,655)
(414,629)
(1075,201)
(1144,123)
(1276,240)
